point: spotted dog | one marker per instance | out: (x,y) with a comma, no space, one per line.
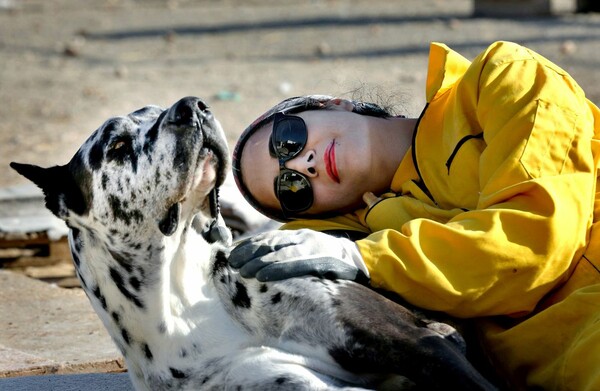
(150,251)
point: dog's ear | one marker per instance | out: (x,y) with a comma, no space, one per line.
(60,191)
(168,224)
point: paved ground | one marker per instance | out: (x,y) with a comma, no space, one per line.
(67,65)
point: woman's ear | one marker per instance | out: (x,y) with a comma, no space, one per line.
(339,104)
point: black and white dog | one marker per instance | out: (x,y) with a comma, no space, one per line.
(150,250)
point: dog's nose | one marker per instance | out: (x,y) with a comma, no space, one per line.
(189,111)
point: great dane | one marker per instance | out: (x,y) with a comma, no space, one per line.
(150,250)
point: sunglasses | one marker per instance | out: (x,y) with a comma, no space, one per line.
(288,139)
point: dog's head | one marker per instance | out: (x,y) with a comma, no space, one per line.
(144,171)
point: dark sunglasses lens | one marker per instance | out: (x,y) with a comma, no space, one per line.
(294,191)
(289,136)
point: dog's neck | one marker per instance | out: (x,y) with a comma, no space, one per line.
(144,294)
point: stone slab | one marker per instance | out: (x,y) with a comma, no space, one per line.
(45,329)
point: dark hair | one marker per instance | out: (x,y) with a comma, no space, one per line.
(289,106)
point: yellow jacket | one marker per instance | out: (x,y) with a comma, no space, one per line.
(492,207)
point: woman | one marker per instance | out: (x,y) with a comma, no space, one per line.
(483,207)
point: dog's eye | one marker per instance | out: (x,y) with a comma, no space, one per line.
(119,149)
(118,145)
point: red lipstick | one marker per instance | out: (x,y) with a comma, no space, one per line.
(330,166)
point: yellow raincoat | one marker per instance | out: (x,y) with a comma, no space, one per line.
(493,214)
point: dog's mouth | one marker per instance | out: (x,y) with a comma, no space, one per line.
(213,159)
(200,161)
(202,147)
(213,163)
(214,151)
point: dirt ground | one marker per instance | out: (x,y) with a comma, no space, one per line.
(68,65)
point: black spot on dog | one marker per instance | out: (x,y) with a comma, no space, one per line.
(76,259)
(104,181)
(241,298)
(152,135)
(117,209)
(120,212)
(98,294)
(220,262)
(118,280)
(141,272)
(122,259)
(119,186)
(135,283)
(137,215)
(84,284)
(147,352)
(125,336)
(76,234)
(263,288)
(157,177)
(276,298)
(281,380)
(116,317)
(96,155)
(162,327)
(176,373)
(183,353)
(180,160)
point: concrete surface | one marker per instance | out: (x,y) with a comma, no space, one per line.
(49,330)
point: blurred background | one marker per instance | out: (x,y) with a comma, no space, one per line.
(68,65)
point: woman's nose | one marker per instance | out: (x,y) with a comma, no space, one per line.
(305,163)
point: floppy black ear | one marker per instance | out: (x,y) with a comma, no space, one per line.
(60,190)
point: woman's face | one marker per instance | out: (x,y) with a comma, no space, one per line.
(338,160)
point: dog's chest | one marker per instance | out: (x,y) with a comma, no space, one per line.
(283,310)
(179,332)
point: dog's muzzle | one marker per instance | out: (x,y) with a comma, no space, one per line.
(191,114)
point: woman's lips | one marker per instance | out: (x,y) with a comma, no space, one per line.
(330,165)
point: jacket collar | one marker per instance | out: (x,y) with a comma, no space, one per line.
(445,67)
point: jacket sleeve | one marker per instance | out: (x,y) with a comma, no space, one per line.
(537,181)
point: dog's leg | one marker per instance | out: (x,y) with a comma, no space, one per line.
(386,337)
